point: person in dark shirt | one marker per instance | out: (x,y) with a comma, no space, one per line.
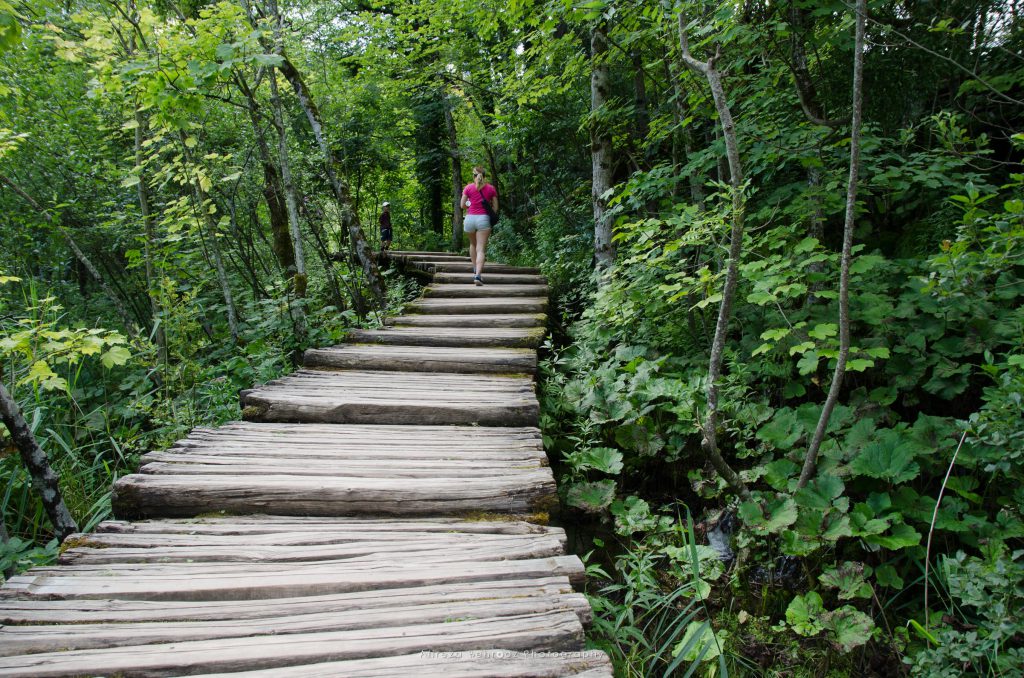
(385,227)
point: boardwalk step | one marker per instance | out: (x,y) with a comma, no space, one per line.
(588,664)
(409,357)
(325,470)
(394,398)
(473,320)
(466,267)
(497,305)
(491,278)
(556,631)
(511,337)
(135,598)
(461,291)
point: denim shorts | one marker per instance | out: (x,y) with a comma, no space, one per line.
(476,222)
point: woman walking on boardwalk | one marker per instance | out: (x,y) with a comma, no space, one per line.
(477,224)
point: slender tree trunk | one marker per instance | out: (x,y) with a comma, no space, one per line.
(203,202)
(680,114)
(149,237)
(44,479)
(453,151)
(710,424)
(811,458)
(349,217)
(299,286)
(640,102)
(272,191)
(600,145)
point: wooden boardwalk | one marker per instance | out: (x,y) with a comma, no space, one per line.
(380,512)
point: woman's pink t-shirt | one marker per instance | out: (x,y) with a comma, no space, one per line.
(475,204)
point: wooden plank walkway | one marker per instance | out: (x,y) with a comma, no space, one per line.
(381,512)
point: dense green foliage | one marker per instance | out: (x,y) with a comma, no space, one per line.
(860,572)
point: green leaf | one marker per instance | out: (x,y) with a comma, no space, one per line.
(802,347)
(603,459)
(130,181)
(859,364)
(824,331)
(591,497)
(819,493)
(807,364)
(887,459)
(771,517)
(849,627)
(778,473)
(850,578)
(713,299)
(775,334)
(699,642)
(902,536)
(887,576)
(268,59)
(116,355)
(804,614)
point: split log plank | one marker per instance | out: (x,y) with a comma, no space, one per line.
(473,320)
(548,631)
(394,398)
(200,581)
(456,291)
(492,305)
(455,337)
(409,357)
(104,610)
(466,267)
(492,278)
(15,640)
(142,495)
(475,664)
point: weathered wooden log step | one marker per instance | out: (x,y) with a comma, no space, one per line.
(455,291)
(171,463)
(81,611)
(473,320)
(479,664)
(521,492)
(411,358)
(554,631)
(259,524)
(493,305)
(476,337)
(427,256)
(466,267)
(242,581)
(491,278)
(122,549)
(394,398)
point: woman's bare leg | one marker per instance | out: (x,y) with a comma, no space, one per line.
(472,248)
(481,250)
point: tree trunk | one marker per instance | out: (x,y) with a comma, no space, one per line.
(710,424)
(299,281)
(811,458)
(149,238)
(453,151)
(600,145)
(44,479)
(640,103)
(202,199)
